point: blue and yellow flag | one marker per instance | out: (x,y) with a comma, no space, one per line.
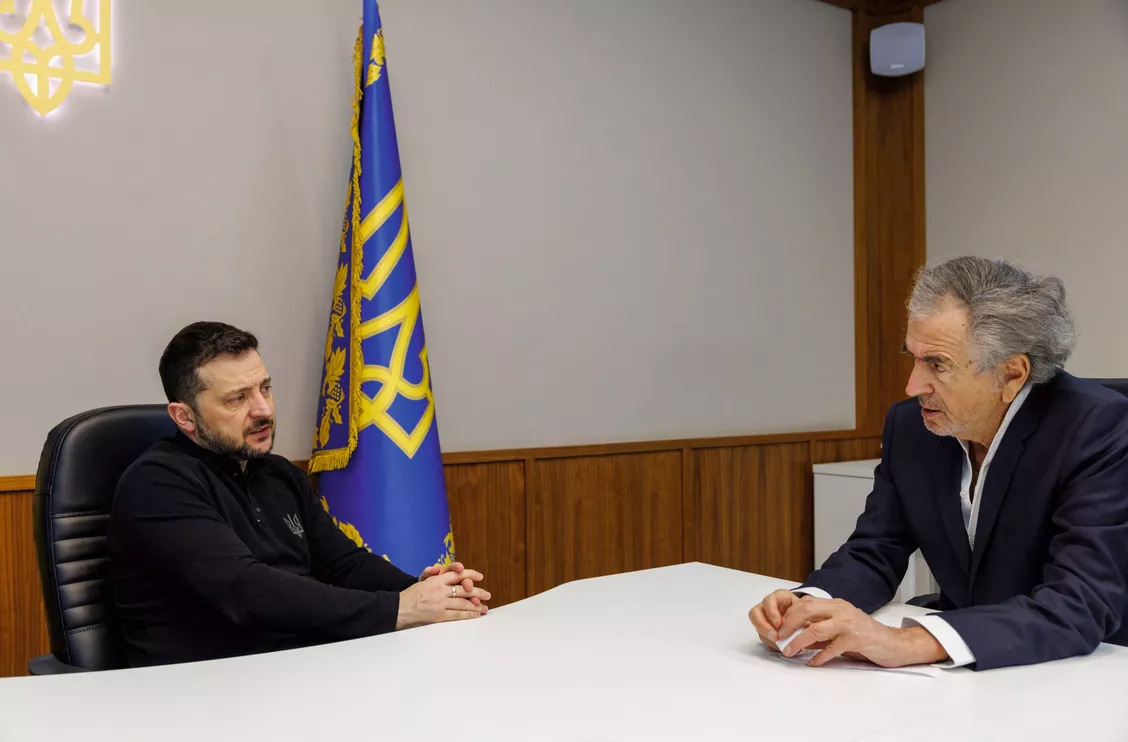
(376,446)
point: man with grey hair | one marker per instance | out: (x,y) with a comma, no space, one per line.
(1009,474)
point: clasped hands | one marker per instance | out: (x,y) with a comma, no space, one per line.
(838,629)
(443,593)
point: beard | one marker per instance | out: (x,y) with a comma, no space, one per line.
(946,427)
(236,448)
(949,426)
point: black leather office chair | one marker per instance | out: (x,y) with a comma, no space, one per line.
(78,472)
(1117,385)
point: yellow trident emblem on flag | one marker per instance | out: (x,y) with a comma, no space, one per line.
(46,57)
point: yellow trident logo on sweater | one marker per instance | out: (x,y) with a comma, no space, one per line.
(46,55)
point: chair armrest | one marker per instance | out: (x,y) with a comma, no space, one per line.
(931,600)
(49,664)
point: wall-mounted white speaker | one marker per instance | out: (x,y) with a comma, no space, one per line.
(897,49)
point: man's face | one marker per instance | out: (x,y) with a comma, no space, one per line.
(234,413)
(955,398)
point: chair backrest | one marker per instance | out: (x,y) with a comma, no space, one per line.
(81,462)
(1117,385)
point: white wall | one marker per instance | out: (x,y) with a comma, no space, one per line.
(1027,150)
(631,220)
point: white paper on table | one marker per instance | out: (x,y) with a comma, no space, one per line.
(782,643)
(848,664)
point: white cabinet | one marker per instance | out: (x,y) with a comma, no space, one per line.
(840,497)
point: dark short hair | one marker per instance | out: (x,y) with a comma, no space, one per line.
(194,346)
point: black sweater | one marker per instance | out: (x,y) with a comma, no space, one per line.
(210,561)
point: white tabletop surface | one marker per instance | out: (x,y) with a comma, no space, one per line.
(658,654)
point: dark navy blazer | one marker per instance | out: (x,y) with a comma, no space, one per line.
(1048,577)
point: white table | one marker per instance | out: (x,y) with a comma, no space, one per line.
(658,654)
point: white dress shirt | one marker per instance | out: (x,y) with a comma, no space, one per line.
(959,654)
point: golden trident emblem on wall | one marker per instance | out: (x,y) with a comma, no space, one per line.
(46,56)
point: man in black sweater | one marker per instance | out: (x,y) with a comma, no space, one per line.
(220,548)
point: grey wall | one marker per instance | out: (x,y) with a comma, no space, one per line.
(631,220)
(1027,158)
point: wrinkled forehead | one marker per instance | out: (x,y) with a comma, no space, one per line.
(944,332)
(228,373)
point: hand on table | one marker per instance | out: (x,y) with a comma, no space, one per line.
(467,581)
(767,616)
(442,595)
(837,628)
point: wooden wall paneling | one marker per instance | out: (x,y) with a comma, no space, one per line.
(23,624)
(889,220)
(600,515)
(753,506)
(17,484)
(899,134)
(867,383)
(530,474)
(825,452)
(691,526)
(906,7)
(881,7)
(487,513)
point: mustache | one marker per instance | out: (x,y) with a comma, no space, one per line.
(261,425)
(932,404)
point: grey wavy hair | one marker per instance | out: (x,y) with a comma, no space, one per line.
(1012,311)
